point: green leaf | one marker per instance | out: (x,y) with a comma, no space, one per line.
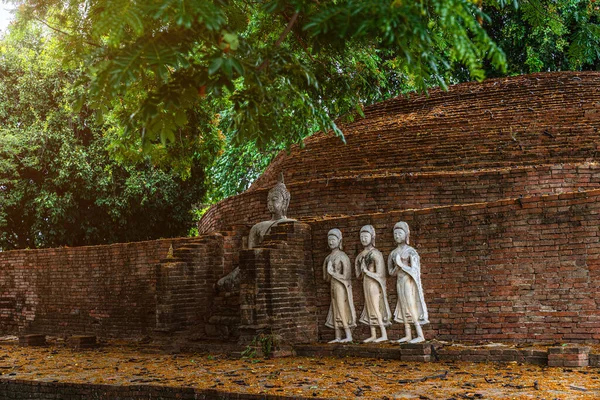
(215,64)
(231,39)
(237,66)
(180,118)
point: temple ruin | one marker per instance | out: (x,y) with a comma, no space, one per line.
(499,182)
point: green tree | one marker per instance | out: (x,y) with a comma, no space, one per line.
(547,35)
(265,74)
(279,69)
(59,184)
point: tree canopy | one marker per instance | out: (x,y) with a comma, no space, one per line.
(264,71)
(547,35)
(126,108)
(59,184)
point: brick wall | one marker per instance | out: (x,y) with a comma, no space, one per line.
(484,141)
(381,193)
(522,120)
(277,289)
(185,282)
(31,389)
(525,269)
(513,270)
(101,290)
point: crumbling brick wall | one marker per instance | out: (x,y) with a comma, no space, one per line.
(184,284)
(104,290)
(185,289)
(120,290)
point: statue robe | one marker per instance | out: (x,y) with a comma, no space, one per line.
(376,304)
(337,270)
(260,230)
(410,307)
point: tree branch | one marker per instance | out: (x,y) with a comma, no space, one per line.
(63,32)
(287,30)
(299,39)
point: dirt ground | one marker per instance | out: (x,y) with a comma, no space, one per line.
(364,378)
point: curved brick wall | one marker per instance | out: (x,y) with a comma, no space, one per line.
(375,194)
(522,271)
(500,185)
(478,142)
(523,120)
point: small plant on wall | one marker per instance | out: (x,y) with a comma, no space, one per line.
(266,342)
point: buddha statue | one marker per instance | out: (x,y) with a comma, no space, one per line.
(370,267)
(277,203)
(278,200)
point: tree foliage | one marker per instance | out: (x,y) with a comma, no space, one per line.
(59,184)
(547,35)
(113,111)
(279,69)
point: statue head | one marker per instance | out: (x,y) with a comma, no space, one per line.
(334,239)
(278,200)
(401,232)
(367,235)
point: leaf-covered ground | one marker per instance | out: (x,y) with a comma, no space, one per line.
(320,377)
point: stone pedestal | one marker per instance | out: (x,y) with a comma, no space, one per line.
(32,340)
(407,352)
(415,352)
(82,342)
(277,290)
(568,356)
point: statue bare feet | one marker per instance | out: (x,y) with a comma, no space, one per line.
(334,341)
(419,339)
(405,339)
(381,339)
(369,339)
(347,340)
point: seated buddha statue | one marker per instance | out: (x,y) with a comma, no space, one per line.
(277,203)
(278,200)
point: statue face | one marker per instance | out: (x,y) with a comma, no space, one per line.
(333,242)
(365,238)
(275,203)
(399,235)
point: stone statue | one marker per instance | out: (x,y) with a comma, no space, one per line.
(370,266)
(277,201)
(404,262)
(337,270)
